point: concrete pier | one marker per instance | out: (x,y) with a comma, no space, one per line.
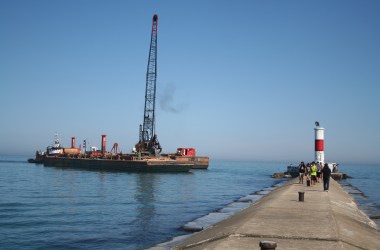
(323,220)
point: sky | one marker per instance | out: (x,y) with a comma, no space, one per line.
(238,80)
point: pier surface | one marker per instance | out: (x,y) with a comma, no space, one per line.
(325,220)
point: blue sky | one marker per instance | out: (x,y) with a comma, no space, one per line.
(236,79)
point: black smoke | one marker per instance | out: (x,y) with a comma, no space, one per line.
(167,100)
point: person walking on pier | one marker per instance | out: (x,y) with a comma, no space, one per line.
(326,177)
(319,170)
(301,169)
(307,174)
(313,174)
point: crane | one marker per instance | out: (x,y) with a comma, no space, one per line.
(148,143)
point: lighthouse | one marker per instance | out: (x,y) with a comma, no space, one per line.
(319,143)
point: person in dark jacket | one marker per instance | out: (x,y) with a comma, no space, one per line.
(326,177)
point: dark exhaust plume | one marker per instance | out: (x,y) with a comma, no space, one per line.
(167,100)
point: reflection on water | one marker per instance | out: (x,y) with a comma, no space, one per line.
(145,187)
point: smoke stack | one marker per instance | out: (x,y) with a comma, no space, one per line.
(104,144)
(73,142)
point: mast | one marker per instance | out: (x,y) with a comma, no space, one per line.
(148,139)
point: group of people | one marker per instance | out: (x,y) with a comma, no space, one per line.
(313,172)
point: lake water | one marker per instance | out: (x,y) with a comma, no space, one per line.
(52,208)
(363,187)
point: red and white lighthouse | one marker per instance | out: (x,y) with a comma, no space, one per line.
(319,143)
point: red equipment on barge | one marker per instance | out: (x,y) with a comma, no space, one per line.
(188,155)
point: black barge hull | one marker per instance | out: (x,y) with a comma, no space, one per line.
(145,165)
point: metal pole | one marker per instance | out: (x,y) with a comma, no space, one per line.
(267,245)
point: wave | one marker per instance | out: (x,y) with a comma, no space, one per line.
(13,161)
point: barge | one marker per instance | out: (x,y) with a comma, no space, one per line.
(121,164)
(183,160)
(146,155)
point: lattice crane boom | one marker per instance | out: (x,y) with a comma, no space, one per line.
(148,139)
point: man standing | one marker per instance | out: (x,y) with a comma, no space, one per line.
(313,174)
(326,177)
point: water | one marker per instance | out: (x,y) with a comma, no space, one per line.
(51,208)
(363,187)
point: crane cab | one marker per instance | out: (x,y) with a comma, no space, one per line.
(186,151)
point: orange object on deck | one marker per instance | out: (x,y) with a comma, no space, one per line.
(186,151)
